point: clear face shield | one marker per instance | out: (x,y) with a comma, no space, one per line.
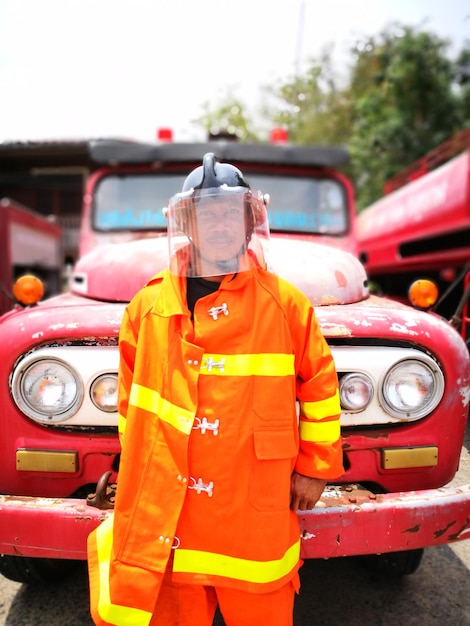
(217,231)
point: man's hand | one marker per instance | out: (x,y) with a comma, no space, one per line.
(305,491)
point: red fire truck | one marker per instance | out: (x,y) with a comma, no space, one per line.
(29,243)
(420,229)
(404,374)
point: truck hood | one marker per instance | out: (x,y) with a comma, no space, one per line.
(115,272)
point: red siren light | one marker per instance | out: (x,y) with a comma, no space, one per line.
(165,134)
(279,135)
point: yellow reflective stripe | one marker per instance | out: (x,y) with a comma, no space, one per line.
(248,364)
(121,427)
(121,424)
(322,408)
(320,431)
(150,400)
(194,561)
(113,613)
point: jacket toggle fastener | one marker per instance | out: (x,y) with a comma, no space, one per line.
(204,426)
(215,311)
(210,364)
(200,487)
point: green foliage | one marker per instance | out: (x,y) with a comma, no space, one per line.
(313,107)
(403,97)
(462,80)
(229,119)
(402,105)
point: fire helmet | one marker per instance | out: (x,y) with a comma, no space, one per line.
(217,225)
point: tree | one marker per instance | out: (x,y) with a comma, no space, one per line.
(228,119)
(313,107)
(462,79)
(401,98)
(402,104)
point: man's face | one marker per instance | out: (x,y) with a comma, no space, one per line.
(220,229)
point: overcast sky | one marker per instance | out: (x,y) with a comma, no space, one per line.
(72,69)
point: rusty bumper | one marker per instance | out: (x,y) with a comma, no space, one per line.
(347,521)
(350,521)
(46,527)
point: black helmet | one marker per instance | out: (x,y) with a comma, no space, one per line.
(212,174)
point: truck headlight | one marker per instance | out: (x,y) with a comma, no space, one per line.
(47,390)
(355,391)
(104,392)
(412,388)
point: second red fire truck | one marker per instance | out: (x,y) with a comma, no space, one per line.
(29,243)
(420,229)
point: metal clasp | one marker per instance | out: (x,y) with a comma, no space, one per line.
(203,425)
(200,487)
(210,363)
(215,311)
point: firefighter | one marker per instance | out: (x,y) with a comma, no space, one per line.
(216,459)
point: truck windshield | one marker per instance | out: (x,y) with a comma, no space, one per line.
(297,204)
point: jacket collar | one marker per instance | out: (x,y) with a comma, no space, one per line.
(171,298)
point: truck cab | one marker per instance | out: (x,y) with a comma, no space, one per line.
(404,374)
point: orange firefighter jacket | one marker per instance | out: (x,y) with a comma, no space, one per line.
(210,437)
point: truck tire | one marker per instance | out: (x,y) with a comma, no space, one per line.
(35,571)
(393,564)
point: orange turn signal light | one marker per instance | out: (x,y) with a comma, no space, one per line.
(423,293)
(28,289)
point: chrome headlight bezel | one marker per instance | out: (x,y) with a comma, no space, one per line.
(393,399)
(356,378)
(375,362)
(32,378)
(89,362)
(108,378)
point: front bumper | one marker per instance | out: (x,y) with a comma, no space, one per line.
(347,521)
(351,521)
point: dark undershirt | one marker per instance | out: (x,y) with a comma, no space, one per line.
(198,288)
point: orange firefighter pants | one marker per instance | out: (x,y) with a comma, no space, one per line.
(195,605)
